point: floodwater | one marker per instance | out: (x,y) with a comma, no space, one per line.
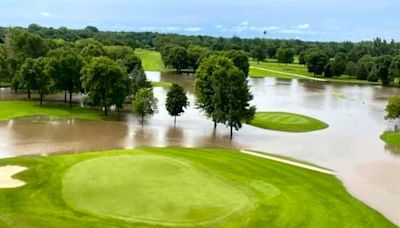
(368,168)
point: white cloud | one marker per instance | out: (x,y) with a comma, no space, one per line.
(45,14)
(148,28)
(171,28)
(193,29)
(219,26)
(303,26)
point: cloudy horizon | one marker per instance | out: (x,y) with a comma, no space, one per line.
(290,19)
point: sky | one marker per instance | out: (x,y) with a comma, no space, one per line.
(319,20)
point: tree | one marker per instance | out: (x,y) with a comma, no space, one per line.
(131,62)
(240,60)
(67,63)
(362,73)
(232,97)
(176,101)
(195,54)
(138,80)
(338,66)
(365,65)
(144,103)
(394,70)
(285,55)
(302,58)
(316,61)
(3,64)
(204,85)
(259,53)
(106,82)
(177,58)
(90,49)
(351,68)
(393,108)
(381,69)
(118,52)
(36,74)
(328,70)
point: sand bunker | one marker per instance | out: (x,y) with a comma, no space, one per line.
(6,173)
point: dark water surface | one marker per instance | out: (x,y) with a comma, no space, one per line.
(351,145)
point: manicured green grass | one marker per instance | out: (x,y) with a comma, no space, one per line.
(296,71)
(289,122)
(151,60)
(161,84)
(391,138)
(151,187)
(14,109)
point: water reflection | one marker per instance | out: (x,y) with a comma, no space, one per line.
(354,113)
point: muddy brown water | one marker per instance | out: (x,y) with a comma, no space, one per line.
(368,168)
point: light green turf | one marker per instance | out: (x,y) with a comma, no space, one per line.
(151,60)
(185,185)
(391,138)
(289,122)
(13,109)
(161,84)
(294,69)
(152,189)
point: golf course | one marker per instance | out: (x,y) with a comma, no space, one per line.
(176,187)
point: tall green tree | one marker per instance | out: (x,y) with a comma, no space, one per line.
(177,58)
(67,65)
(351,68)
(381,69)
(176,101)
(204,84)
(316,61)
(232,97)
(195,54)
(105,82)
(36,74)
(138,80)
(285,55)
(259,53)
(240,60)
(144,103)
(394,70)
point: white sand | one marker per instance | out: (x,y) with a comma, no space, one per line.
(6,174)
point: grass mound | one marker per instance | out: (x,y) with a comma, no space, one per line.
(151,60)
(14,109)
(152,187)
(391,138)
(289,122)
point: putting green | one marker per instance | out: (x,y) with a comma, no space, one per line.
(289,122)
(153,189)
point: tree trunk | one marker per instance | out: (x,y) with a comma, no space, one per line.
(65,96)
(174,121)
(70,99)
(142,119)
(231,133)
(41,98)
(29,94)
(215,124)
(105,110)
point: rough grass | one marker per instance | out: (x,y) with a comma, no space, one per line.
(151,60)
(391,138)
(274,194)
(14,109)
(289,122)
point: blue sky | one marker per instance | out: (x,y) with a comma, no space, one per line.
(326,20)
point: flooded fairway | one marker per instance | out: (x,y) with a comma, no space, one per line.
(351,145)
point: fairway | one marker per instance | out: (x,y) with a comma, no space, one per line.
(176,187)
(289,122)
(151,60)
